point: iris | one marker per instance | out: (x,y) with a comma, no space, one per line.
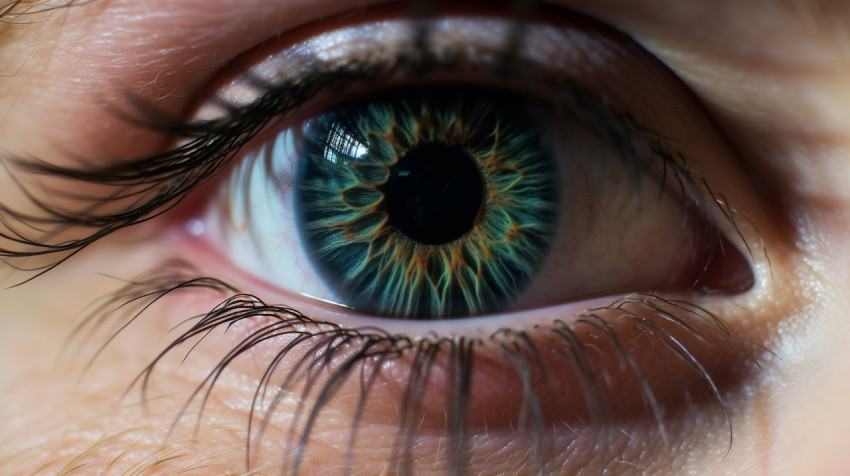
(429,203)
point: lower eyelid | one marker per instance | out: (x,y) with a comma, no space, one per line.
(204,256)
(635,364)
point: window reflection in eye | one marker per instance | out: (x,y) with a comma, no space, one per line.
(570,233)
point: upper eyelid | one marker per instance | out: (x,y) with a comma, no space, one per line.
(155,183)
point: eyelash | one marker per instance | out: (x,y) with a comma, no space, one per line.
(683,330)
(154,185)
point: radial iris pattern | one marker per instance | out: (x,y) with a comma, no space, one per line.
(427,204)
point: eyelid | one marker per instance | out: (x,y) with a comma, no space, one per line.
(617,361)
(151,185)
(386,49)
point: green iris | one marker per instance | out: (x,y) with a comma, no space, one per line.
(427,204)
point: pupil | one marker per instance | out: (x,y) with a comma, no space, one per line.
(434,193)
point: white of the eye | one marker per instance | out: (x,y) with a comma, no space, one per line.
(252,220)
(480,38)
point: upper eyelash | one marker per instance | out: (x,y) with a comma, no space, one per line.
(154,184)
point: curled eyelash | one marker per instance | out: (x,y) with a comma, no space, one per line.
(315,359)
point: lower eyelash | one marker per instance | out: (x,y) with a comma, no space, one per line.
(599,350)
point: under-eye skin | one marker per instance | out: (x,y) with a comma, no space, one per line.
(539,388)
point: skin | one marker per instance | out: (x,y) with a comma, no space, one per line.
(772,79)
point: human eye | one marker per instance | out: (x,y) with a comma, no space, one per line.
(450,200)
(616,318)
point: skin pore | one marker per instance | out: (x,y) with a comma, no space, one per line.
(768,130)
